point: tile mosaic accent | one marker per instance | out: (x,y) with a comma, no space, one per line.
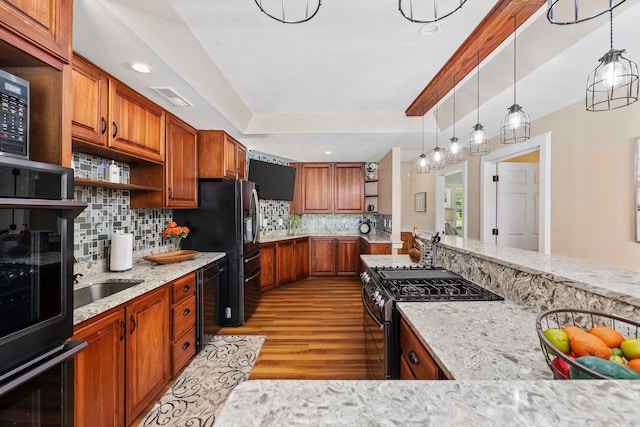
(274,214)
(109,211)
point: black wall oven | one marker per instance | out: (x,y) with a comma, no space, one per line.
(36,267)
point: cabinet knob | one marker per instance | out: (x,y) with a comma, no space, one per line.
(115,129)
(413,358)
(104,126)
(186,345)
(186,288)
(186,311)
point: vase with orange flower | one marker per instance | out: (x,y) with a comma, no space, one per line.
(175,233)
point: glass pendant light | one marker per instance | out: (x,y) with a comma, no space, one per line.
(426,11)
(455,152)
(478,138)
(295,12)
(516,125)
(437,156)
(614,82)
(564,12)
(422,166)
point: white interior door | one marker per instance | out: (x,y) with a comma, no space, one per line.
(518,203)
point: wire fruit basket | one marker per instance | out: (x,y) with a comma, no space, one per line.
(559,318)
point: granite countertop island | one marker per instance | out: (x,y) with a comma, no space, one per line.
(490,348)
(152,276)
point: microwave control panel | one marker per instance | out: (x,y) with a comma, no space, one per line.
(14,116)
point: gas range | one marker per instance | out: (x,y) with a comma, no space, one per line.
(409,284)
(382,287)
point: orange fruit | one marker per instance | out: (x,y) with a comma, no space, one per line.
(589,345)
(572,331)
(611,337)
(634,364)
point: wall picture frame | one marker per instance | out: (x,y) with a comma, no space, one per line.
(420,202)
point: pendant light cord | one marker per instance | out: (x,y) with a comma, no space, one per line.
(514,59)
(478,110)
(611,29)
(422,135)
(454,106)
(437,122)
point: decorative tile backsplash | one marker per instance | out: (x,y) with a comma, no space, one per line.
(109,211)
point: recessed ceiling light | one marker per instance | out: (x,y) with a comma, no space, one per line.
(140,67)
(327,152)
(430,29)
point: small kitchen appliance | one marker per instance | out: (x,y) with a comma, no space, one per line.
(14,116)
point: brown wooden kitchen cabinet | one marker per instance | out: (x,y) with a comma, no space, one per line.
(183,321)
(136,124)
(220,155)
(301,258)
(99,372)
(331,256)
(267,266)
(148,359)
(45,25)
(330,188)
(181,165)
(285,262)
(90,103)
(415,361)
(367,248)
(126,363)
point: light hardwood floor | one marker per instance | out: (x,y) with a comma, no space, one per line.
(313,329)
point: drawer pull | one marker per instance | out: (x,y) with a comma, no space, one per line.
(186,311)
(186,288)
(413,358)
(186,345)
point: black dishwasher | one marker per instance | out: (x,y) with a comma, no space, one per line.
(212,286)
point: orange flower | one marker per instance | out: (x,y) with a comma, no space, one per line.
(172,224)
(176,231)
(185,230)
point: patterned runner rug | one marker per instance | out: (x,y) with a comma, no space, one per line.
(197,395)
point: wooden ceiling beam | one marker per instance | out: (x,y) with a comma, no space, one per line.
(494,29)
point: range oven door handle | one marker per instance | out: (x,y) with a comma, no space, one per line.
(366,307)
(248,279)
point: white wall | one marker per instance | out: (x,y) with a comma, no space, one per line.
(592,186)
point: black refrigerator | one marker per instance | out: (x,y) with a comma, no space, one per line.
(226,220)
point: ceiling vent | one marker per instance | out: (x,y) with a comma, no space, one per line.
(172,96)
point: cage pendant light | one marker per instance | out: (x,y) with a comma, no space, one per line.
(565,12)
(455,152)
(423,166)
(516,125)
(478,138)
(437,156)
(425,11)
(614,82)
(291,11)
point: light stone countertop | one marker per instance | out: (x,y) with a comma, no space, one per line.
(623,285)
(153,276)
(372,237)
(432,403)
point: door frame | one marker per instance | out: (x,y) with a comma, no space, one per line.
(440,181)
(488,188)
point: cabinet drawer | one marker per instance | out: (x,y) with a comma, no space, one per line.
(183,350)
(184,287)
(418,359)
(184,316)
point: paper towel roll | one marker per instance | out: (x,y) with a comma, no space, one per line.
(121,252)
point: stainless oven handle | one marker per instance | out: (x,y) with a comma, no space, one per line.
(248,279)
(366,307)
(252,258)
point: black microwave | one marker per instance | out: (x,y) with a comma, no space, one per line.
(14,116)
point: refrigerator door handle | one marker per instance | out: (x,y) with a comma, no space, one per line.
(256,208)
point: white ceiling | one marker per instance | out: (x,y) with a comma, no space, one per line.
(342,81)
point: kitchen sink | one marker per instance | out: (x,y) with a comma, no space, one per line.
(91,293)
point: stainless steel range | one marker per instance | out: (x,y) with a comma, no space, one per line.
(383,287)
